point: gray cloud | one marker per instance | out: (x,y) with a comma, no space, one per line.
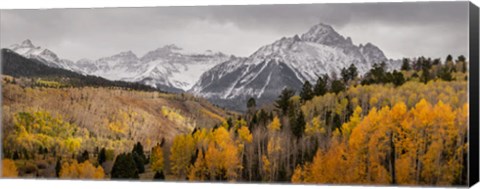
(400,29)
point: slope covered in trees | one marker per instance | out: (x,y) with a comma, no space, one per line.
(18,66)
(43,123)
(405,127)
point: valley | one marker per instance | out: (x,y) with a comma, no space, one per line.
(312,108)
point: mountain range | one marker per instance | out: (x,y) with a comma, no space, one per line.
(227,80)
(287,62)
(168,68)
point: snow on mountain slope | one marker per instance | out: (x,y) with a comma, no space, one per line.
(287,62)
(174,67)
(28,50)
(169,68)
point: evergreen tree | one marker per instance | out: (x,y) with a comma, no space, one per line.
(159,176)
(337,86)
(15,155)
(337,122)
(102,156)
(251,103)
(138,148)
(58,167)
(344,74)
(462,61)
(307,92)
(406,64)
(299,126)
(445,74)
(139,162)
(321,86)
(376,75)
(352,72)
(397,78)
(283,100)
(349,74)
(425,77)
(449,59)
(83,157)
(229,122)
(124,167)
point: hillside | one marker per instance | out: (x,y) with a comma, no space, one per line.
(113,118)
(16,65)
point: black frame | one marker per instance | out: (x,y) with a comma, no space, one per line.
(474,95)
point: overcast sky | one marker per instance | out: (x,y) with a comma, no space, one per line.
(400,29)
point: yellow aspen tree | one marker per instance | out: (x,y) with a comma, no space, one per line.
(83,170)
(422,129)
(245,135)
(156,158)
(181,152)
(199,170)
(275,124)
(354,120)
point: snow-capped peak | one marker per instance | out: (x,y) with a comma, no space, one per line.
(27,44)
(27,49)
(287,62)
(23,47)
(128,55)
(167,50)
(324,34)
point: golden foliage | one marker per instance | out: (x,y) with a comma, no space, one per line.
(41,129)
(315,127)
(181,151)
(156,158)
(275,124)
(245,134)
(9,169)
(219,159)
(213,115)
(427,144)
(83,170)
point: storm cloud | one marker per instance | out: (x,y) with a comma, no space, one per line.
(400,29)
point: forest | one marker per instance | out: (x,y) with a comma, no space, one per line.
(387,127)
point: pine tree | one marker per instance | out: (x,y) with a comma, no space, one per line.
(352,72)
(449,59)
(397,78)
(321,86)
(139,162)
(283,101)
(406,64)
(138,149)
(58,167)
(307,92)
(159,176)
(299,126)
(251,103)
(445,74)
(102,156)
(349,73)
(425,77)
(124,167)
(344,74)
(337,86)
